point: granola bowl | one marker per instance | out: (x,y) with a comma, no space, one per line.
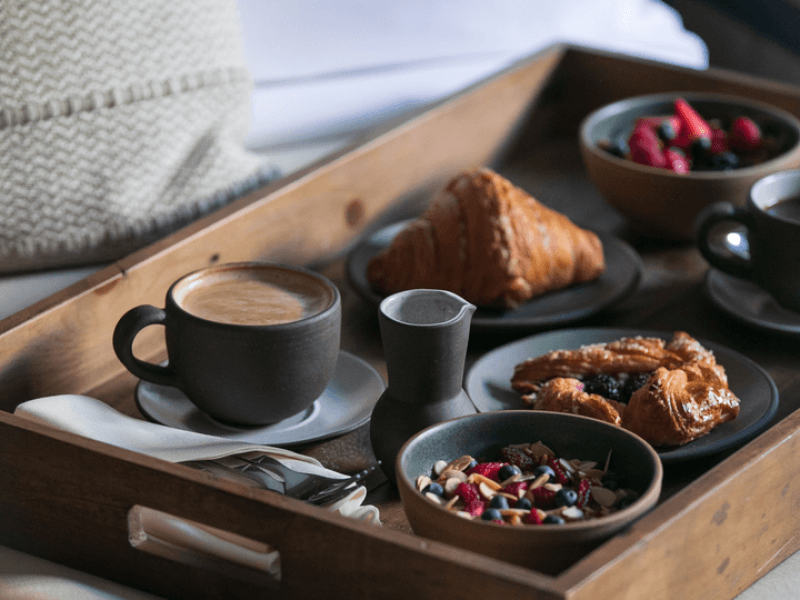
(661,203)
(581,443)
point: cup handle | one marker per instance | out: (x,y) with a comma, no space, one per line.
(720,212)
(128,327)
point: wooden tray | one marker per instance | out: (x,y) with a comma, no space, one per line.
(70,500)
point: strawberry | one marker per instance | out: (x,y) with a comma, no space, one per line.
(645,148)
(745,135)
(584,489)
(676,160)
(488,470)
(695,125)
(542,497)
(561,477)
(515,488)
(515,456)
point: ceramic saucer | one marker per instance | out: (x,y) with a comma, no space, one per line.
(744,300)
(345,405)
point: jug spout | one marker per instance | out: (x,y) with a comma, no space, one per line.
(425,334)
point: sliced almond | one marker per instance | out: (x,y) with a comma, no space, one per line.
(439,467)
(450,503)
(553,487)
(455,473)
(539,449)
(460,464)
(486,491)
(539,481)
(594,474)
(587,465)
(451,485)
(479,479)
(572,513)
(434,498)
(511,479)
(463,514)
(423,481)
(603,496)
(505,495)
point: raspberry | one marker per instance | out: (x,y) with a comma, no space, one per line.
(695,125)
(561,477)
(488,470)
(542,497)
(476,507)
(584,489)
(468,492)
(515,488)
(745,135)
(517,457)
(533,518)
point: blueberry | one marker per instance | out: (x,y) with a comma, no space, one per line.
(507,471)
(433,488)
(491,514)
(539,471)
(553,520)
(566,497)
(603,385)
(666,131)
(499,502)
(613,476)
(523,504)
(610,484)
(725,161)
(634,382)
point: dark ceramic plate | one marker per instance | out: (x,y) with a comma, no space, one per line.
(745,301)
(622,275)
(488,384)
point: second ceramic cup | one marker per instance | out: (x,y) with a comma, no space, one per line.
(248,343)
(772,221)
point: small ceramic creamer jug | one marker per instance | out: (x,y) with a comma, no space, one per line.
(425,335)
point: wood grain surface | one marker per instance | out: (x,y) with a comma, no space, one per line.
(722,521)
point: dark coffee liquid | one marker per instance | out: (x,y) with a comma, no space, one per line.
(788,209)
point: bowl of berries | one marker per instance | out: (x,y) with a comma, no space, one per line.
(532,488)
(660,159)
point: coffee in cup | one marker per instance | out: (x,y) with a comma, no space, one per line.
(247,343)
(771,220)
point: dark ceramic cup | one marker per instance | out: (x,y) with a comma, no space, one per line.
(247,343)
(771,219)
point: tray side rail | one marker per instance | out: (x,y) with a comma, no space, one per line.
(67,499)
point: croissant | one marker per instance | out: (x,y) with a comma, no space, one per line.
(684,397)
(489,242)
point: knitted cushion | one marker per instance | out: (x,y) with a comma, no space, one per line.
(119,122)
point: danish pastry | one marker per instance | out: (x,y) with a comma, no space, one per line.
(489,242)
(680,394)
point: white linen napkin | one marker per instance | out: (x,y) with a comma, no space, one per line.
(96,420)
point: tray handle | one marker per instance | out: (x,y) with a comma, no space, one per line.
(198,545)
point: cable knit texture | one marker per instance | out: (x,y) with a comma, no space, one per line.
(119,122)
